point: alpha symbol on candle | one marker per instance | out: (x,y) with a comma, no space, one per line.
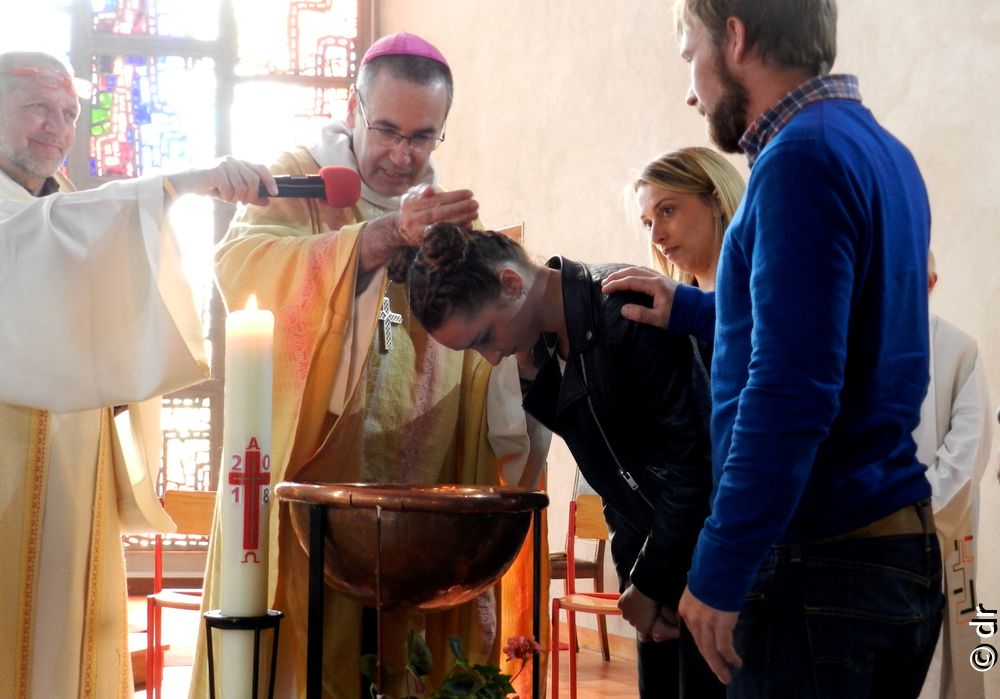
(253,479)
(388,318)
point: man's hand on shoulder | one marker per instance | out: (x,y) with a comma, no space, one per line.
(228,179)
(712,630)
(646,281)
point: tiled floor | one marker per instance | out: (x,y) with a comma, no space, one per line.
(597,679)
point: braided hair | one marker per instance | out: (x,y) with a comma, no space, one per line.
(454,271)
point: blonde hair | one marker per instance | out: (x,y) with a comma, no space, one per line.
(701,171)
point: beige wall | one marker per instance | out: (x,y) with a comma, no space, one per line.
(558,101)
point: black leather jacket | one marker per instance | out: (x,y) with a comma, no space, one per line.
(633,405)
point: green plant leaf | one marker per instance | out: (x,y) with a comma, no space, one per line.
(498,683)
(418,654)
(460,683)
(369,667)
(455,644)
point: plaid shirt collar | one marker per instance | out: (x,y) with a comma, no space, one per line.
(768,124)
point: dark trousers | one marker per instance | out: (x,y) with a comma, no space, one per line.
(676,670)
(841,620)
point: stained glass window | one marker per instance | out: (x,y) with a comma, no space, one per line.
(320,38)
(150,113)
(289,83)
(174,18)
(187,426)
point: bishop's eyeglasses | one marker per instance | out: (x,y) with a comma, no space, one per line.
(390,138)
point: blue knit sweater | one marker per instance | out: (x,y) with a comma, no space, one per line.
(821,349)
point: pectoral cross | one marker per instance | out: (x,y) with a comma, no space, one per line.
(388,319)
(254,480)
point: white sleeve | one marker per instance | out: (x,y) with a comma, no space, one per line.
(520,442)
(961,458)
(94,307)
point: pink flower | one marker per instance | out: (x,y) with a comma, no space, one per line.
(521,648)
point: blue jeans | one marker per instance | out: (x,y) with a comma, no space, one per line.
(841,620)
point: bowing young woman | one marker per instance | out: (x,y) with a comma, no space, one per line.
(631,401)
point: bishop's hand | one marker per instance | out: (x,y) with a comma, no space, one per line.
(423,206)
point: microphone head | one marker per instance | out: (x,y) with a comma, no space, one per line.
(342,186)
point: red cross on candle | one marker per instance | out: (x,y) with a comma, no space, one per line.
(252,478)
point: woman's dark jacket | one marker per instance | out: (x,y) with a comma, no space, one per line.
(634,396)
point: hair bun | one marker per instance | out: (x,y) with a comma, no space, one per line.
(445,248)
(400,263)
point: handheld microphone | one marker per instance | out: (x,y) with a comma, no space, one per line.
(336,186)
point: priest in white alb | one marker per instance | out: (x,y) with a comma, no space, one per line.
(94,312)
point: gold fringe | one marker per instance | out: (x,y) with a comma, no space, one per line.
(103,668)
(30,544)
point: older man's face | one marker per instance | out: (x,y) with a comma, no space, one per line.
(37,124)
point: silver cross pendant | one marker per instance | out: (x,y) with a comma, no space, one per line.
(388,319)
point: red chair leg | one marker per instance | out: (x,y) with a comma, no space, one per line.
(154,678)
(554,657)
(159,651)
(574,639)
(150,649)
(571,619)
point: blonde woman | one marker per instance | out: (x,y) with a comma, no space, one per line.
(686,199)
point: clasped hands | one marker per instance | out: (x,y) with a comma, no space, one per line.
(652,621)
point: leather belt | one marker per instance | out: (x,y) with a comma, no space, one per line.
(917,518)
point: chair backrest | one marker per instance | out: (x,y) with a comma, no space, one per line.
(586,521)
(192,512)
(590,522)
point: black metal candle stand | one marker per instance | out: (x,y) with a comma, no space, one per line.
(215,619)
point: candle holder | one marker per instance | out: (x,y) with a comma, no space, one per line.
(215,619)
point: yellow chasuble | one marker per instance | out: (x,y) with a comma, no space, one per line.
(347,410)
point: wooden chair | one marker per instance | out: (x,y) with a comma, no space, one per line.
(192,512)
(586,521)
(587,568)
